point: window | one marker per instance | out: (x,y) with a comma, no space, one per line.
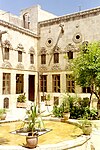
(70,84)
(86,90)
(43,59)
(19,56)
(26,21)
(56,83)
(19,83)
(6,53)
(32,58)
(43,83)
(70,55)
(6,83)
(6,102)
(56,57)
(56,100)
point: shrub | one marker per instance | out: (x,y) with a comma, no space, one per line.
(2,111)
(79,108)
(57,111)
(21,98)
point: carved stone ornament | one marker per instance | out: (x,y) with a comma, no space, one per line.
(20,47)
(20,66)
(77,38)
(31,50)
(43,51)
(55,67)
(6,64)
(7,44)
(43,68)
(56,49)
(49,42)
(71,47)
(85,43)
(31,67)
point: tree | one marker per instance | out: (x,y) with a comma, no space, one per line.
(86,69)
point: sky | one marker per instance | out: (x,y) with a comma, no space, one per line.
(57,7)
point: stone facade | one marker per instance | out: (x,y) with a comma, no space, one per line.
(77,28)
(33,34)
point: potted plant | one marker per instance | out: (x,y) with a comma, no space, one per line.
(86,126)
(66,108)
(2,114)
(32,122)
(21,99)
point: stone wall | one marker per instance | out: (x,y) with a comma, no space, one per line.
(78,27)
(17,39)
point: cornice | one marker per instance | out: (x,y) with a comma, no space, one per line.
(17,28)
(70,17)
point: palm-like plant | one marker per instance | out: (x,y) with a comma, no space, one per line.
(32,115)
(33,119)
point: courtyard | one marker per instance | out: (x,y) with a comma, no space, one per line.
(61,135)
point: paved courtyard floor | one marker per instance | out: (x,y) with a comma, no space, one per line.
(95,139)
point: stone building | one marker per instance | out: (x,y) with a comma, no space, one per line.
(33,50)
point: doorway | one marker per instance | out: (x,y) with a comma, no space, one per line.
(31,87)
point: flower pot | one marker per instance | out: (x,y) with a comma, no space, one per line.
(66,115)
(87,129)
(21,105)
(3,116)
(31,141)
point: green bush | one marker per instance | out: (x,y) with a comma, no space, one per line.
(2,111)
(63,108)
(21,98)
(57,111)
(79,108)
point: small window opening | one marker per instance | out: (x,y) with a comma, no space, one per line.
(77,36)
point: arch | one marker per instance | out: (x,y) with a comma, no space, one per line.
(31,50)
(20,66)
(71,47)
(7,44)
(32,67)
(20,47)
(85,43)
(57,50)
(6,64)
(43,51)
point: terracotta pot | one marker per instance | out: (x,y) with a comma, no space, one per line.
(87,129)
(3,116)
(66,115)
(31,141)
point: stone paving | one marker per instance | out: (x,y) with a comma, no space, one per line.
(95,136)
(94,140)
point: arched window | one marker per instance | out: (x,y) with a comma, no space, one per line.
(26,21)
(6,102)
(43,55)
(20,50)
(32,53)
(43,59)
(70,55)
(6,46)
(56,54)
(56,57)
